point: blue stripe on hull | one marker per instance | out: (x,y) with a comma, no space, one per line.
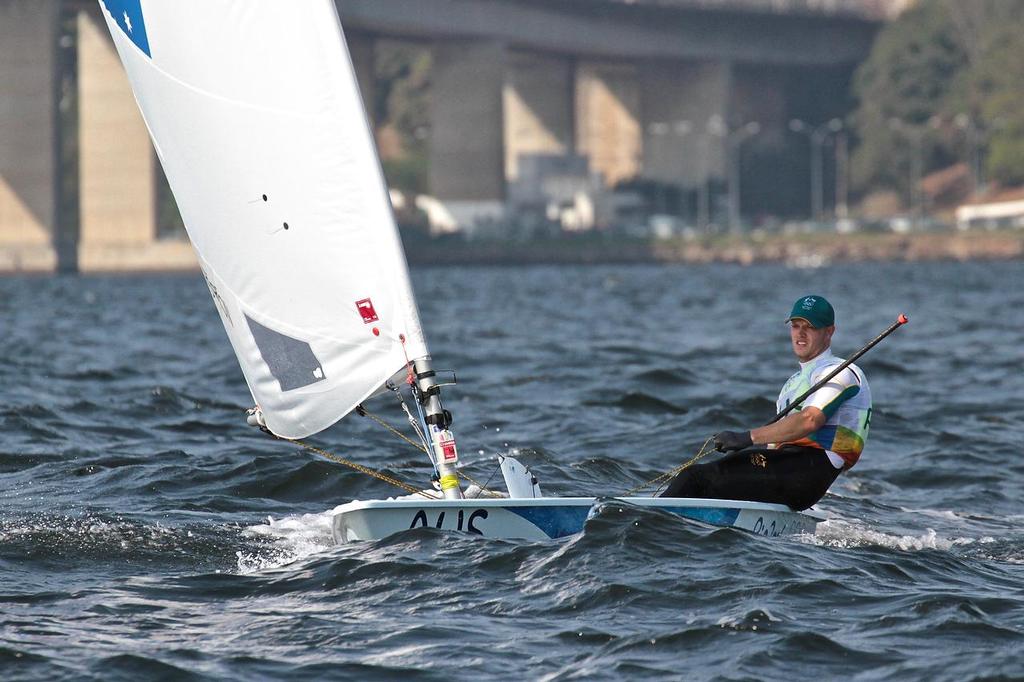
(715,516)
(555,522)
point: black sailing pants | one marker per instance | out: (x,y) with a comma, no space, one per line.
(792,475)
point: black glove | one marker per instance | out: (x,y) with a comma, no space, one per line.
(728,441)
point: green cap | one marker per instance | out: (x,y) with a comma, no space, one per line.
(814,309)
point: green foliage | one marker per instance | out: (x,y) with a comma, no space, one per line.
(1000,74)
(1006,159)
(403,92)
(902,85)
(943,61)
(408,173)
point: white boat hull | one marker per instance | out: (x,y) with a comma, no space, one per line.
(550,517)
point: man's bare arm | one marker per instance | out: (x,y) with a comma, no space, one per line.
(791,427)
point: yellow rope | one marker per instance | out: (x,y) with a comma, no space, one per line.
(358,467)
(419,446)
(392,429)
(668,475)
(377,474)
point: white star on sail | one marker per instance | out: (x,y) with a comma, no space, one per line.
(128,22)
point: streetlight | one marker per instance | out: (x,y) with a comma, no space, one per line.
(976,138)
(817,136)
(714,127)
(842,176)
(915,135)
(965,123)
(734,139)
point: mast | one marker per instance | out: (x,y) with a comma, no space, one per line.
(439,421)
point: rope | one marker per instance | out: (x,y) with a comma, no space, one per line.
(661,478)
(373,472)
(668,475)
(392,429)
(482,486)
(379,475)
(493,471)
(462,472)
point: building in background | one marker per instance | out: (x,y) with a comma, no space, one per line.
(562,113)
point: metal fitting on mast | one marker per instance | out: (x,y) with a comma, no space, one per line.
(439,421)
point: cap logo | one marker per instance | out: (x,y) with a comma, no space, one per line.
(809,302)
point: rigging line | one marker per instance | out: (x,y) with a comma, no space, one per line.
(366,413)
(668,475)
(494,471)
(482,486)
(414,423)
(462,472)
(379,475)
(410,379)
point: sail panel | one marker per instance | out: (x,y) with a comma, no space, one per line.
(255,114)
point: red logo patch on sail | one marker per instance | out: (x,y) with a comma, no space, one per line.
(365,307)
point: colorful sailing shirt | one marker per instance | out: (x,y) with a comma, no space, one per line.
(845,400)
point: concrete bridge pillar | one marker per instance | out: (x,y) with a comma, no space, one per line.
(538,108)
(29,134)
(117,165)
(467,155)
(608,123)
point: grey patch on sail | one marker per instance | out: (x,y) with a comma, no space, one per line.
(290,360)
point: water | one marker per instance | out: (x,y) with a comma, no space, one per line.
(146,533)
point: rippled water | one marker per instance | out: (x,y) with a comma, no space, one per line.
(145,532)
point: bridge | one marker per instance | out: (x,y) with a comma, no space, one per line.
(625,87)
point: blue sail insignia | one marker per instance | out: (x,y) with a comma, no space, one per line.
(127,14)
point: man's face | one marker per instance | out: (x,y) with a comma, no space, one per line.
(808,342)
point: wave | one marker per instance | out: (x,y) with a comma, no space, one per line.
(847,534)
(292,539)
(635,401)
(78,541)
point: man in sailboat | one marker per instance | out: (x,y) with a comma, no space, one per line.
(794,460)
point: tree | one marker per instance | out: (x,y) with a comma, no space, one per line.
(1000,75)
(941,62)
(402,104)
(900,88)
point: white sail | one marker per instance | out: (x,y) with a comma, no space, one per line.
(255,113)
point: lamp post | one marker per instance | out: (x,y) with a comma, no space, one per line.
(734,140)
(915,135)
(817,136)
(842,176)
(682,129)
(965,123)
(715,127)
(976,134)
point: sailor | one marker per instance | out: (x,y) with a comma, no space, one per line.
(794,460)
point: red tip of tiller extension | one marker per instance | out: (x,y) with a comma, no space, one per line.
(902,319)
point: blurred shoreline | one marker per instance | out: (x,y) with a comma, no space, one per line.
(807,250)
